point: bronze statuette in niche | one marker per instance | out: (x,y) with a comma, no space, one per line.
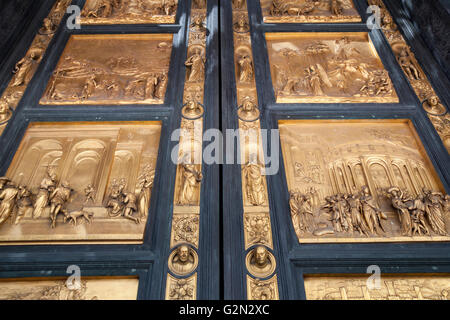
(309,11)
(392,287)
(58,289)
(111,69)
(327,68)
(129,11)
(183,260)
(83,182)
(362,181)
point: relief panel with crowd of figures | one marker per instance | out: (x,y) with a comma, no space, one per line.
(58,289)
(362,181)
(392,287)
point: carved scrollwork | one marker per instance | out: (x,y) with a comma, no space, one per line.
(262,289)
(185,229)
(257,229)
(181,289)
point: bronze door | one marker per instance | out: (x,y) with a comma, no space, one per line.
(326,173)
(344,148)
(98,183)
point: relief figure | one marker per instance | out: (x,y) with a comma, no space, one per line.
(407,65)
(196,63)
(58,199)
(246,69)
(434,202)
(255,188)
(8,197)
(47,186)
(191,179)
(146,184)
(24,204)
(23,68)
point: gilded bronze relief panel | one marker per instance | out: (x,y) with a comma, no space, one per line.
(362,181)
(307,11)
(129,11)
(111,69)
(80,182)
(392,287)
(57,289)
(327,68)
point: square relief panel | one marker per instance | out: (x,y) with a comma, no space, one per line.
(309,11)
(111,69)
(57,289)
(392,287)
(362,181)
(327,68)
(80,183)
(129,11)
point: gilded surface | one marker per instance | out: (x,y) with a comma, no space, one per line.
(181,289)
(26,67)
(90,289)
(183,260)
(80,182)
(260,262)
(257,229)
(262,289)
(185,229)
(111,69)
(362,181)
(437,112)
(326,68)
(308,11)
(129,11)
(392,287)
(186,213)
